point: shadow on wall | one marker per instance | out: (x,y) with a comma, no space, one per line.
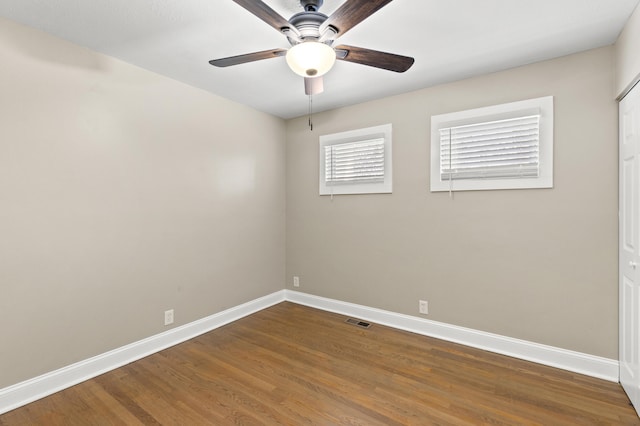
(65,55)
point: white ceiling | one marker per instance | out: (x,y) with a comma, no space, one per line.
(449,39)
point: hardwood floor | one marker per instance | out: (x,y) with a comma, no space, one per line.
(293,365)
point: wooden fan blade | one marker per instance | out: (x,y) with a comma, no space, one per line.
(249,57)
(351,13)
(373,58)
(268,15)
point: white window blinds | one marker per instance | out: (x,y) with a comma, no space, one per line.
(354,162)
(491,150)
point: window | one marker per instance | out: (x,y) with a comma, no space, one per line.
(356,162)
(504,146)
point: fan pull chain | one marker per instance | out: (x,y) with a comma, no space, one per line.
(311,113)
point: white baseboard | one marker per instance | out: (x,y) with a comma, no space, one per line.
(577,362)
(33,389)
(39,387)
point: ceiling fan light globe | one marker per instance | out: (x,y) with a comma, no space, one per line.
(311,58)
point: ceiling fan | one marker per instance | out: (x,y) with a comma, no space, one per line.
(312,34)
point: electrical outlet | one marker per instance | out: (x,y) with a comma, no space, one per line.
(424,307)
(296,281)
(168,317)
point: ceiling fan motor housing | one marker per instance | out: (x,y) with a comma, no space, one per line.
(308,24)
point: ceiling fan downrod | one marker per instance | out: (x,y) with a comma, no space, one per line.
(311,5)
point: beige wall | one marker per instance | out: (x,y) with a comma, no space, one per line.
(123,194)
(539,265)
(628,55)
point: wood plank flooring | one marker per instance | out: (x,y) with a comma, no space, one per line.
(293,365)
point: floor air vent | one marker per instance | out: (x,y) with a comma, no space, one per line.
(358,323)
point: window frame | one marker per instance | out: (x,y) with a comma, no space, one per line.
(538,106)
(385,186)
